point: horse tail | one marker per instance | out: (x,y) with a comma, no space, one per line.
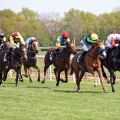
(71,69)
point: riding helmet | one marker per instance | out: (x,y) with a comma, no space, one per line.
(94,36)
(65,35)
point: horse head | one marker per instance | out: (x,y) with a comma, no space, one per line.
(72,48)
(34,46)
(101,49)
(22,51)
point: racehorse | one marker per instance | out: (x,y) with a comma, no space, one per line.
(61,62)
(90,64)
(112,63)
(33,49)
(16,57)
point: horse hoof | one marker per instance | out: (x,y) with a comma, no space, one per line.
(78,90)
(43,82)
(66,81)
(57,84)
(113,90)
(38,80)
(95,85)
(4,79)
(21,80)
(26,76)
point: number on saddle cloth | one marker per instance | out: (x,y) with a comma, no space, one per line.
(52,55)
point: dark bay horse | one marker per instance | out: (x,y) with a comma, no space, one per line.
(61,62)
(91,63)
(33,49)
(112,63)
(16,57)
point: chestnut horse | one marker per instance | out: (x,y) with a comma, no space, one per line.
(16,57)
(33,49)
(91,63)
(61,62)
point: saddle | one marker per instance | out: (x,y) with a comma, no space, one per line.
(80,58)
(54,53)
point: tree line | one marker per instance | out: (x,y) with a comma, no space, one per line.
(46,27)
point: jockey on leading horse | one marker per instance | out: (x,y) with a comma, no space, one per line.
(62,42)
(87,43)
(14,40)
(113,41)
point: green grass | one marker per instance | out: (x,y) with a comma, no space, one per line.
(35,101)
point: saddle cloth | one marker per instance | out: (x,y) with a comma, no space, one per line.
(79,59)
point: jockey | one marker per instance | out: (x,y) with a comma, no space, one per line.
(86,44)
(113,40)
(29,41)
(2,39)
(15,40)
(62,42)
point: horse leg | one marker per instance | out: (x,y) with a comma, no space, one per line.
(58,78)
(101,78)
(79,80)
(17,78)
(66,76)
(30,79)
(104,74)
(95,81)
(0,77)
(55,72)
(45,69)
(5,74)
(26,71)
(112,79)
(20,77)
(38,69)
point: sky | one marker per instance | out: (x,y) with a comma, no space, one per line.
(61,6)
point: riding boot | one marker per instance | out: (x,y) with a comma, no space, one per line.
(81,60)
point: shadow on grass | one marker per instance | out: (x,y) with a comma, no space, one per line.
(8,83)
(38,87)
(80,92)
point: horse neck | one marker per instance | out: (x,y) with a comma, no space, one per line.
(94,52)
(16,53)
(31,53)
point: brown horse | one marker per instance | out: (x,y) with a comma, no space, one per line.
(16,57)
(61,62)
(33,49)
(91,63)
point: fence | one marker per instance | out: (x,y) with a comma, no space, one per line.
(50,73)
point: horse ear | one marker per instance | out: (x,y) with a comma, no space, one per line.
(99,41)
(70,43)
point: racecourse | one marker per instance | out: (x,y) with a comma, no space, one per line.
(36,101)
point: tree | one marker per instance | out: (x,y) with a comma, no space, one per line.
(53,25)
(73,23)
